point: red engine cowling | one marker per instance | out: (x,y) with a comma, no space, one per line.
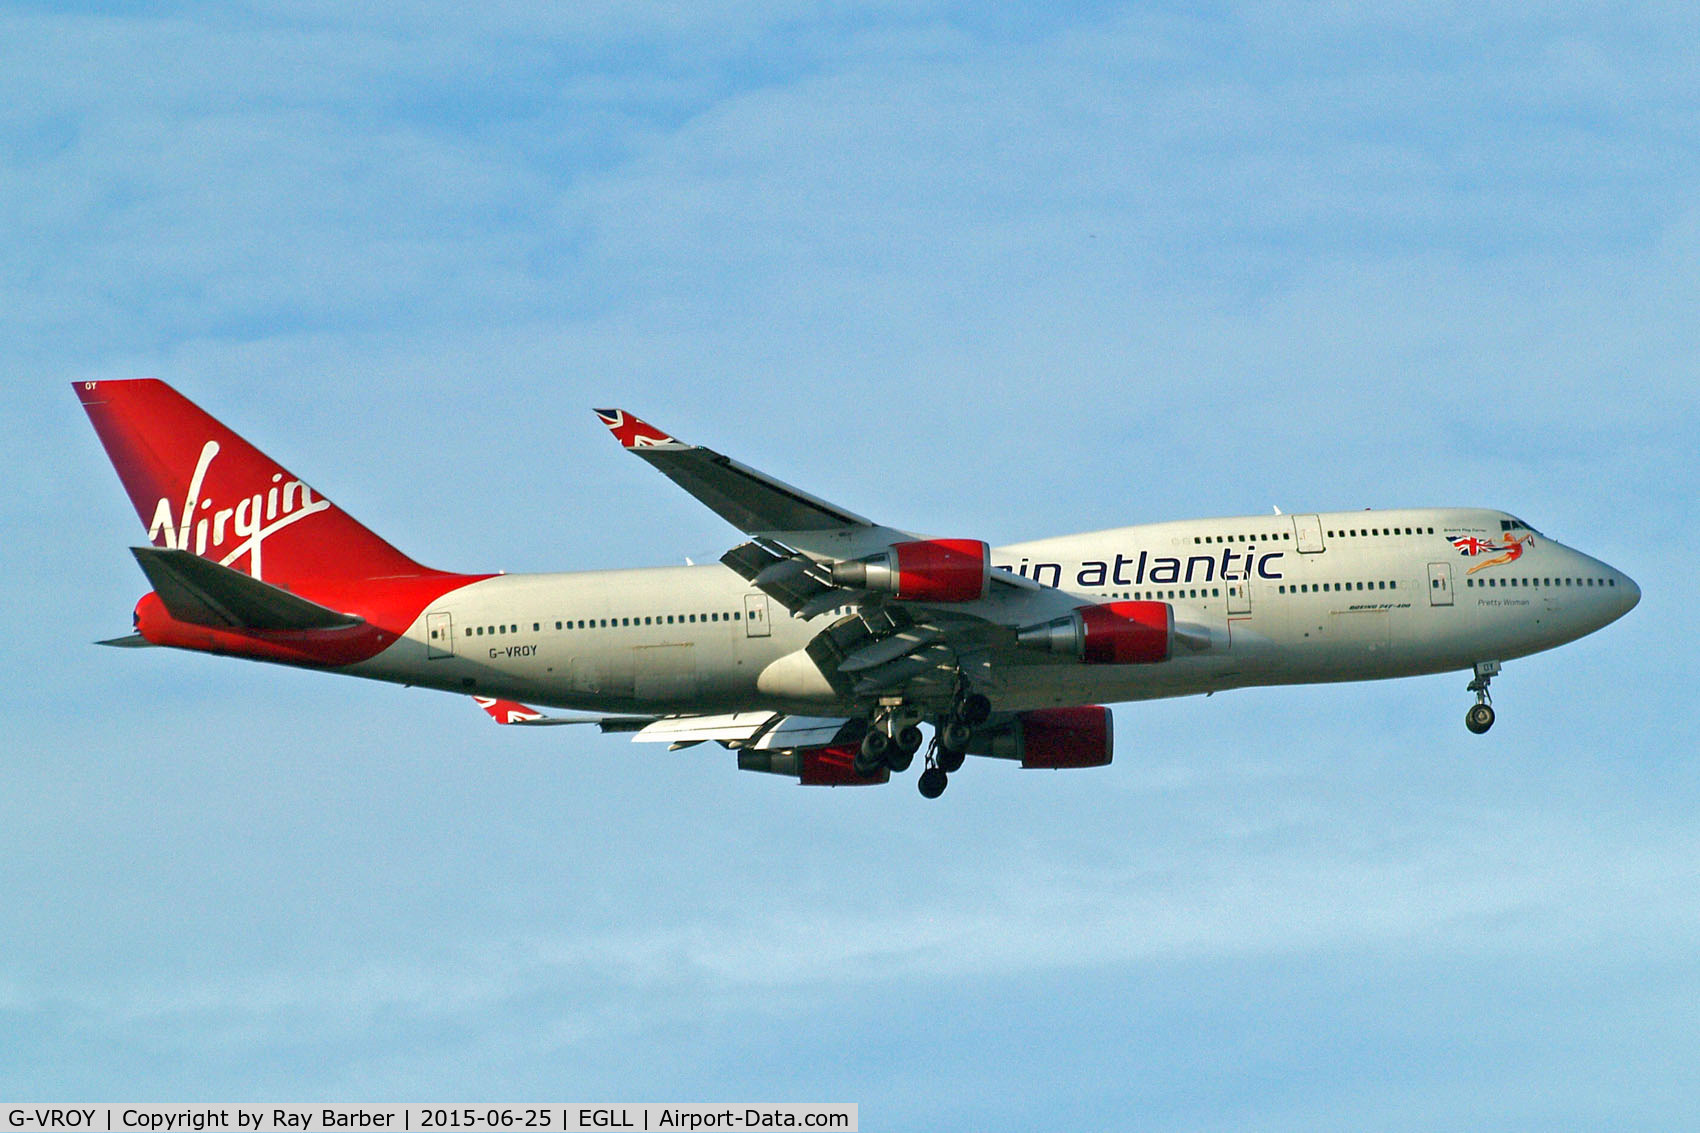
(812,767)
(927,570)
(1114,633)
(1057,737)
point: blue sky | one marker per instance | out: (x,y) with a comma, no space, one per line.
(998,276)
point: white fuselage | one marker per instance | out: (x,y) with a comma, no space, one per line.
(1262,600)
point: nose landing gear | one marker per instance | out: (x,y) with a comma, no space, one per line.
(1480,716)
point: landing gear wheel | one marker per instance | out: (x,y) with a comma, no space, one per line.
(1479,718)
(904,745)
(974,709)
(873,755)
(949,760)
(908,739)
(932,782)
(955,736)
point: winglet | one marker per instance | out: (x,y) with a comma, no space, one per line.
(507,711)
(632,432)
(513,712)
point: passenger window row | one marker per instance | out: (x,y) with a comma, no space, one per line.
(1274,537)
(1342,533)
(1330,587)
(1512,581)
(1377,532)
(616,623)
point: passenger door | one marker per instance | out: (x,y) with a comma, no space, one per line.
(439,636)
(755,616)
(1440,584)
(1307,530)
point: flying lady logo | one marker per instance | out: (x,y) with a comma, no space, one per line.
(1509,549)
(251,519)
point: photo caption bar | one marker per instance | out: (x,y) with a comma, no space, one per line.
(556,1117)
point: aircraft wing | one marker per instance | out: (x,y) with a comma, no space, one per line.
(797,535)
(505,711)
(761,731)
(917,617)
(751,501)
(815,750)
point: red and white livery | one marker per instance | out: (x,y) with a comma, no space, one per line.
(823,643)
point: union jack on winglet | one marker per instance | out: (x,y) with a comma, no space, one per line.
(507,711)
(632,432)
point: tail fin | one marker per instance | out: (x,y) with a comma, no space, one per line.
(199,487)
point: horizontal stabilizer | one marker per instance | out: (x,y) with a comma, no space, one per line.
(202,592)
(128,641)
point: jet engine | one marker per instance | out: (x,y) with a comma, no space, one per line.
(812,767)
(1055,738)
(927,570)
(1114,633)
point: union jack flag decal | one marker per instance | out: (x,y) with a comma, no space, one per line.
(507,711)
(632,432)
(1509,549)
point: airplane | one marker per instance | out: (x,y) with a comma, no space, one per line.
(819,645)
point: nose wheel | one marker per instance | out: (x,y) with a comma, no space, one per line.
(1480,716)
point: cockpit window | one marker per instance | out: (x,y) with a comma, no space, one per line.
(1515,524)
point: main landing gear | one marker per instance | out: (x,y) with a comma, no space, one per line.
(952,735)
(890,742)
(1480,716)
(932,782)
(894,737)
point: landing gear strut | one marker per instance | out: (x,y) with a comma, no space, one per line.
(952,736)
(941,761)
(1480,716)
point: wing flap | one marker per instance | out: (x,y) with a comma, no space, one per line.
(733,727)
(803,586)
(760,731)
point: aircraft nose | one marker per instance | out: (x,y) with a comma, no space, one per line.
(1631,592)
